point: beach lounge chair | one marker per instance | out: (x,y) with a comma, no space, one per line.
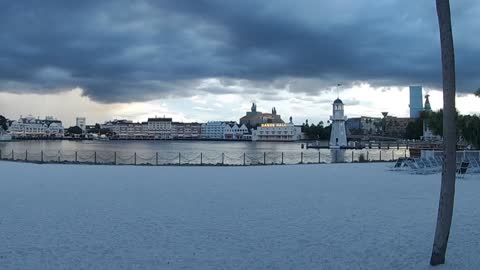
(399,164)
(462,169)
(416,167)
(431,164)
(474,166)
(439,160)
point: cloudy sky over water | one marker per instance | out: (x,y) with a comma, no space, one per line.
(208,60)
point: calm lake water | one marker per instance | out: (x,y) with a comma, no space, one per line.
(168,152)
(155,146)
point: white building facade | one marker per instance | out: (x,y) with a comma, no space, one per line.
(186,130)
(81,122)
(235,132)
(338,135)
(30,127)
(160,128)
(213,130)
(277,132)
(127,130)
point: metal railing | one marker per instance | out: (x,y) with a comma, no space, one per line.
(202,158)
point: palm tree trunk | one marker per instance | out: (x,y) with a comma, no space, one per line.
(447,191)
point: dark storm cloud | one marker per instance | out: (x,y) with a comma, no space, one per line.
(138,50)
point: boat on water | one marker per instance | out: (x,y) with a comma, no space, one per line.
(102,137)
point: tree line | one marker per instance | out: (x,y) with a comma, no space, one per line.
(3,122)
(316,132)
(468,127)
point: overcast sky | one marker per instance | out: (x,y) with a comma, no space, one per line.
(208,60)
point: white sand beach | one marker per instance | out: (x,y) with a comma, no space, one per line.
(327,216)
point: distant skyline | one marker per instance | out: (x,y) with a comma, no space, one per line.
(68,105)
(208,60)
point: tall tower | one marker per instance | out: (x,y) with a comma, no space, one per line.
(427,133)
(81,122)
(416,106)
(338,135)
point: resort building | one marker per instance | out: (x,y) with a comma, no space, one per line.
(30,127)
(213,129)
(277,132)
(364,125)
(396,126)
(235,132)
(253,118)
(160,128)
(186,130)
(127,130)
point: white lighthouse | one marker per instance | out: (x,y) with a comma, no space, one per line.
(338,136)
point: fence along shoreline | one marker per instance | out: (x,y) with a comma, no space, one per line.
(200,158)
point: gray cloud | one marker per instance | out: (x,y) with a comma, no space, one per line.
(124,50)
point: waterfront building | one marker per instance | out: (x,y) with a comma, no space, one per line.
(416,106)
(277,132)
(364,125)
(235,132)
(160,127)
(81,122)
(127,130)
(338,135)
(214,129)
(254,118)
(396,126)
(30,127)
(186,130)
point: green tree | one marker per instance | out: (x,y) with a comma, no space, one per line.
(469,128)
(414,129)
(447,190)
(477,93)
(3,122)
(75,130)
(435,122)
(316,132)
